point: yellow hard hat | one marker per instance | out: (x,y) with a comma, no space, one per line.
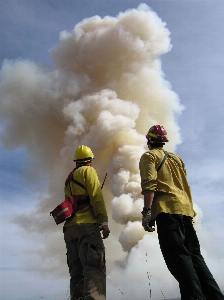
(83,153)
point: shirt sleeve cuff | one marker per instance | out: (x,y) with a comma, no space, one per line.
(147,191)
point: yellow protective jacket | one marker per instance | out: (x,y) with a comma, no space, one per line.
(170,185)
(96,211)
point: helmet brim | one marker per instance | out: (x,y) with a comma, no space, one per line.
(83,159)
(152,140)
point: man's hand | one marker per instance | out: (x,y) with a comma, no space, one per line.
(106,231)
(147,223)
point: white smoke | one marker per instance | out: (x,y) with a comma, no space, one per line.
(105,91)
(120,56)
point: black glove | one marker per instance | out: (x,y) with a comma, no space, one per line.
(147,223)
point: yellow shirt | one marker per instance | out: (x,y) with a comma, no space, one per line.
(170,185)
(96,211)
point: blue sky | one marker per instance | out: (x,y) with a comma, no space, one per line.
(194,69)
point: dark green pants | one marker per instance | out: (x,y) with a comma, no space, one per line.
(86,262)
(181,251)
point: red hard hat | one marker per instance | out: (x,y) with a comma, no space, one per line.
(157,133)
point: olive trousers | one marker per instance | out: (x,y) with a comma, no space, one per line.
(181,251)
(86,262)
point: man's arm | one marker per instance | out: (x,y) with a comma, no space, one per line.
(146,213)
(148,199)
(148,183)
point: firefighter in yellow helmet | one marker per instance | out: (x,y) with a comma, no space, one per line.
(167,199)
(85,248)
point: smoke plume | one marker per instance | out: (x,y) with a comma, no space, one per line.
(105,90)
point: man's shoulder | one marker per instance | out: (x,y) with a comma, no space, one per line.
(145,154)
(85,169)
(176,158)
(174,155)
(152,155)
(85,173)
(157,152)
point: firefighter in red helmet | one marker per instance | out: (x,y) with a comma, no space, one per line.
(85,248)
(167,199)
(157,134)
